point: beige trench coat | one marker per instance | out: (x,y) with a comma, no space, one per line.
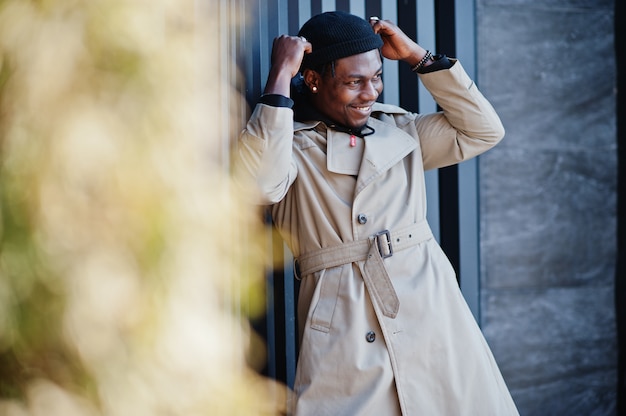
(378,336)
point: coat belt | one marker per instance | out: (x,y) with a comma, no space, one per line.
(374,250)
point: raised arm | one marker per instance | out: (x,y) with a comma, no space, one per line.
(468,124)
(264,151)
(287,55)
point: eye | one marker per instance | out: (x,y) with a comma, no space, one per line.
(378,76)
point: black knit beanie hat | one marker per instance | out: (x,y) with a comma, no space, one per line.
(336,35)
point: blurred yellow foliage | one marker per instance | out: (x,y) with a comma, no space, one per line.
(128,263)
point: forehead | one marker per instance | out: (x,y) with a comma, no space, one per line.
(366,63)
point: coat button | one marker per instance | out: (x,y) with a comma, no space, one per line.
(362,218)
(370,336)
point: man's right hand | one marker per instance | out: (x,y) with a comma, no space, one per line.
(287,55)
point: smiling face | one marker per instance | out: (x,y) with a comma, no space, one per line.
(347,96)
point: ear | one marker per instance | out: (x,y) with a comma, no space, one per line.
(311,78)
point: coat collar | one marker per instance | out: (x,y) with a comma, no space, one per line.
(373,155)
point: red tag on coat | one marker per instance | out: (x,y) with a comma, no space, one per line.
(352,140)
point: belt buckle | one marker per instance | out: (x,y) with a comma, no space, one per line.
(387,234)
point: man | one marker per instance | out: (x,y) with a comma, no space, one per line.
(383,327)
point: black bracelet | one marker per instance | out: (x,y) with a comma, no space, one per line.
(421,63)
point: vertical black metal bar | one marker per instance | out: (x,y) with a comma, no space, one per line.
(292,289)
(448,177)
(449,214)
(444,26)
(374,8)
(342,5)
(409,99)
(279,311)
(293,15)
(264,325)
(316,7)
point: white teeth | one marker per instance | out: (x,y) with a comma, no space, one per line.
(363,108)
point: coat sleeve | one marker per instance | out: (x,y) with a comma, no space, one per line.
(264,152)
(467,126)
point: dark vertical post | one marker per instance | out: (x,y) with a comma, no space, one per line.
(448,177)
(343,5)
(279,355)
(292,17)
(407,10)
(316,7)
(449,214)
(374,8)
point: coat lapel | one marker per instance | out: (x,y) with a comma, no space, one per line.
(383,149)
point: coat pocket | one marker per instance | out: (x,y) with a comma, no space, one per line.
(329,282)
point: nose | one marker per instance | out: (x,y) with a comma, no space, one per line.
(369,91)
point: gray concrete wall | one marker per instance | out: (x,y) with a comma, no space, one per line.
(548,202)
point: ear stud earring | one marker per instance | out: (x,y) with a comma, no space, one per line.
(314,88)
